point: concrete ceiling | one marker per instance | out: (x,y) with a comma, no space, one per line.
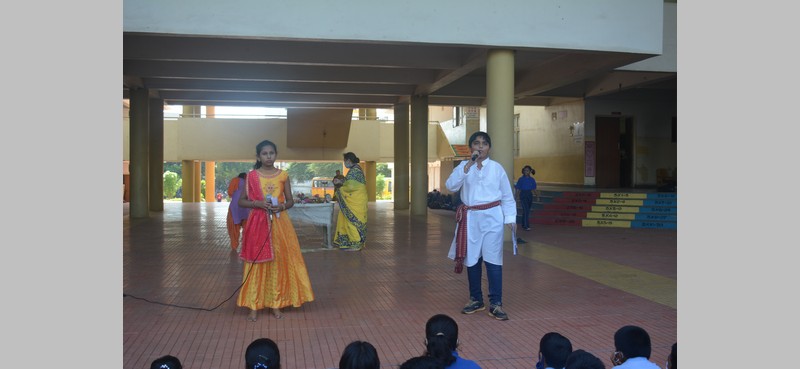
(215,71)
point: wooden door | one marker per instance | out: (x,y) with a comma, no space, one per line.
(607,149)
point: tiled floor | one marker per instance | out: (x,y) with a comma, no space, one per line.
(181,281)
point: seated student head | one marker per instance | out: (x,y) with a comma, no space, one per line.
(262,353)
(166,362)
(359,355)
(422,362)
(630,341)
(441,338)
(553,350)
(672,359)
(580,359)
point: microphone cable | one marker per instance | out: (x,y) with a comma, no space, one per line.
(252,263)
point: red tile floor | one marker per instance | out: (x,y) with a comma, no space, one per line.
(181,281)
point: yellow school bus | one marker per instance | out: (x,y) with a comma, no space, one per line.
(322,187)
(387,188)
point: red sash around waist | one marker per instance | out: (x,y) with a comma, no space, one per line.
(461,231)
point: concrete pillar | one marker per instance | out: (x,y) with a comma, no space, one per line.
(419,156)
(156,148)
(198,176)
(139,152)
(187,180)
(211,191)
(371,171)
(401,192)
(500,107)
(500,111)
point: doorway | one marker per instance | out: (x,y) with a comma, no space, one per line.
(614,136)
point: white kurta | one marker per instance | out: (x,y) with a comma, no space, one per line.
(484,227)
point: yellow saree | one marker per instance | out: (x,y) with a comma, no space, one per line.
(351,224)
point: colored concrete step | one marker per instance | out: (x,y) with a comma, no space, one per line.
(649,224)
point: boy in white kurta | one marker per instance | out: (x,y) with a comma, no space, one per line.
(488,203)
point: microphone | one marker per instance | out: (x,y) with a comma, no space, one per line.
(269,200)
(474,156)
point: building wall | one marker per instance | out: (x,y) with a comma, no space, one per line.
(217,139)
(551,141)
(652,115)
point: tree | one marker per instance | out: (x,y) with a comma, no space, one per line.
(171,184)
(383,168)
(174,167)
(380,184)
(299,172)
(224,172)
(325,169)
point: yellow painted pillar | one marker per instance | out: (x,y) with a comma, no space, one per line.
(419,156)
(500,111)
(198,176)
(400,192)
(139,151)
(500,107)
(156,158)
(187,182)
(371,171)
(211,192)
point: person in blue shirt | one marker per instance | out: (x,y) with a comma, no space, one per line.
(525,189)
(441,343)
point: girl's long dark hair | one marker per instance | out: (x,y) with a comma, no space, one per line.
(441,334)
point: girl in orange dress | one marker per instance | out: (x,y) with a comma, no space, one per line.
(275,274)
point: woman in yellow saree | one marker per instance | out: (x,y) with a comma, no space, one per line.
(351,225)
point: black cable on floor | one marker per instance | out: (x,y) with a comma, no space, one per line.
(269,220)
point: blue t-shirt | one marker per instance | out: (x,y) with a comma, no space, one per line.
(461,363)
(525,183)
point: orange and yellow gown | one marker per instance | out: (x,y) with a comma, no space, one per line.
(282,281)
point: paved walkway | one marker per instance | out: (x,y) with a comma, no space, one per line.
(579,281)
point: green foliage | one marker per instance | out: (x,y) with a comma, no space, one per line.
(226,171)
(174,167)
(383,168)
(300,172)
(325,169)
(171,184)
(380,184)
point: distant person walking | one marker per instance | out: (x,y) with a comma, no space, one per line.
(237,215)
(525,189)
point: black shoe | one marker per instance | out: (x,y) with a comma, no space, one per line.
(497,312)
(473,306)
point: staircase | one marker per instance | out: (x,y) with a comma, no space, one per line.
(606,209)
